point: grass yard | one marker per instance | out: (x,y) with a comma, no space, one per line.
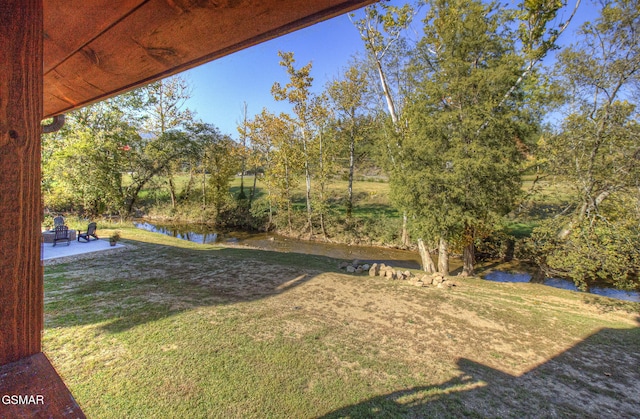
(167,328)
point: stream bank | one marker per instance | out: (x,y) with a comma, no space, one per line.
(367,254)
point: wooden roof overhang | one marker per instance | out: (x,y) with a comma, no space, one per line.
(96,49)
(59,55)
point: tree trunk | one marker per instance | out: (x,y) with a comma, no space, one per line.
(351,170)
(204,183)
(270,224)
(443,257)
(307,175)
(468,260)
(427,261)
(323,227)
(253,189)
(172,192)
(387,94)
(510,247)
(289,216)
(244,147)
(405,232)
(187,189)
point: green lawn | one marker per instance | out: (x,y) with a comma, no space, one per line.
(372,199)
(172,329)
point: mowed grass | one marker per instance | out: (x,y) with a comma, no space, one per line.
(172,329)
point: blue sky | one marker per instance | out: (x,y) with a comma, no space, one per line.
(221,86)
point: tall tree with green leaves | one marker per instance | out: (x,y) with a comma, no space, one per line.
(326,152)
(164,110)
(217,158)
(461,160)
(306,108)
(348,97)
(244,150)
(98,145)
(83,164)
(222,162)
(283,162)
(597,151)
(382,28)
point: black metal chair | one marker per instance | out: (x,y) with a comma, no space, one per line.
(91,232)
(62,234)
(58,221)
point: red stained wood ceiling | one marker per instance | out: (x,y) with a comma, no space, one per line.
(94,49)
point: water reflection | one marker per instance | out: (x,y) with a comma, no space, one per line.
(202,238)
(499,276)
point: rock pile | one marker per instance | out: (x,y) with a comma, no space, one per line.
(436,280)
(354,267)
(388,272)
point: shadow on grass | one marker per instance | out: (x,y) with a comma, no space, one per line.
(598,377)
(155,281)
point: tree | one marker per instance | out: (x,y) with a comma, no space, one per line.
(148,158)
(381,30)
(348,98)
(243,131)
(274,136)
(217,156)
(222,163)
(471,107)
(163,110)
(306,108)
(597,151)
(326,153)
(87,159)
(83,163)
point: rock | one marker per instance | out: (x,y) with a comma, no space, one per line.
(359,270)
(407,274)
(437,280)
(389,273)
(343,265)
(418,283)
(355,263)
(351,269)
(374,270)
(426,279)
(400,275)
(365,267)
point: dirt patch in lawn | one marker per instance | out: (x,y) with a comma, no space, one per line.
(477,349)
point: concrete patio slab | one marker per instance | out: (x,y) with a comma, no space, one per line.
(75,248)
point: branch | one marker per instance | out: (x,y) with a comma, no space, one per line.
(534,62)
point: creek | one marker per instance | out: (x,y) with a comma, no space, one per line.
(394,257)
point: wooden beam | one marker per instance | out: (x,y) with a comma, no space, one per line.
(160,38)
(69,25)
(21,281)
(31,388)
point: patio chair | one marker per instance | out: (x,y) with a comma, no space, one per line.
(91,232)
(58,221)
(62,234)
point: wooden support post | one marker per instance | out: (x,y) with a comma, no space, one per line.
(29,385)
(21,289)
